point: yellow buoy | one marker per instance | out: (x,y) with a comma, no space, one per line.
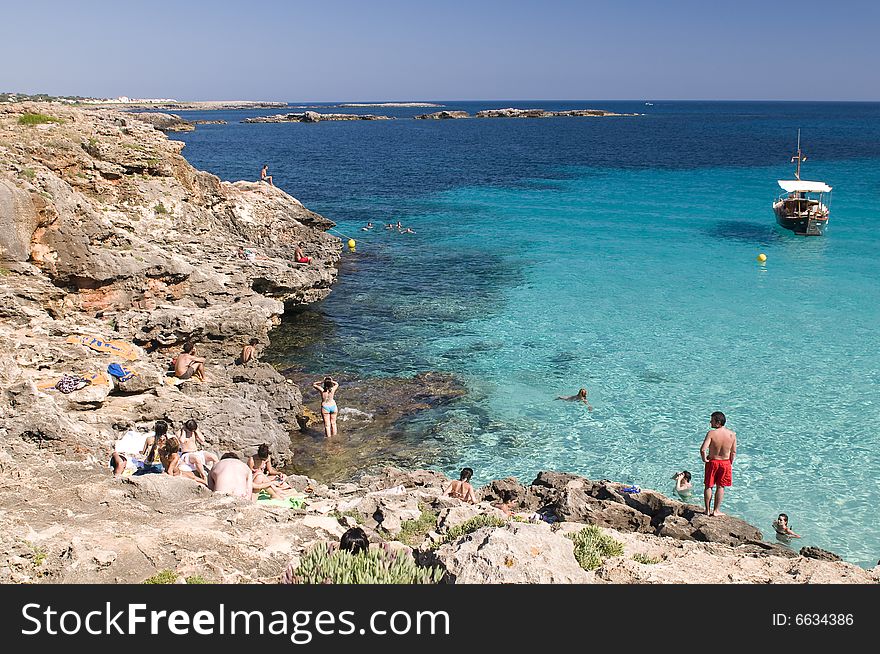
(762,257)
(351,243)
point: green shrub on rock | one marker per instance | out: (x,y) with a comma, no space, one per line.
(37,119)
(163,577)
(592,546)
(326,564)
(470,526)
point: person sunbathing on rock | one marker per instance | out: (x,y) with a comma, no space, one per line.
(462,489)
(170,457)
(261,462)
(299,256)
(192,459)
(232,476)
(152,449)
(265,176)
(249,351)
(187,364)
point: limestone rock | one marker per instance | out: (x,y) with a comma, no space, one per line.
(164,122)
(516,554)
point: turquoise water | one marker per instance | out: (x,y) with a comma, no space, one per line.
(640,283)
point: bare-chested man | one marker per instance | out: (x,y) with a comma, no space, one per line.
(718,452)
(188,365)
(232,476)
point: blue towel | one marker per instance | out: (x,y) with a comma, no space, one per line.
(122,373)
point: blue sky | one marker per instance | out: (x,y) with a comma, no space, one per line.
(338,50)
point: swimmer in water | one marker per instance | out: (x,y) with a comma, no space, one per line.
(580,397)
(683,485)
(367,228)
(783,532)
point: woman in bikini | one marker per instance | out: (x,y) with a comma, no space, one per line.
(462,488)
(191,458)
(329,410)
(261,466)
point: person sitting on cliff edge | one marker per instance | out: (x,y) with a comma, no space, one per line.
(462,488)
(249,351)
(299,256)
(265,176)
(231,476)
(187,364)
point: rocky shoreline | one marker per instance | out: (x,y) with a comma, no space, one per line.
(107,234)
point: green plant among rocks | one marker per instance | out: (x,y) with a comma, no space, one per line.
(413,532)
(645,559)
(160,209)
(592,546)
(196,579)
(162,577)
(326,564)
(37,119)
(470,526)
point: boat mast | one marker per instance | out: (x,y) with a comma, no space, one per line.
(797,173)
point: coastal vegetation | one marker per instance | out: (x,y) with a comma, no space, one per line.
(592,546)
(162,577)
(413,532)
(470,526)
(645,559)
(325,564)
(37,119)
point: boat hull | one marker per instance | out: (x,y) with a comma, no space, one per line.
(802,226)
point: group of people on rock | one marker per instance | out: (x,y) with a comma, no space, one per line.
(180,455)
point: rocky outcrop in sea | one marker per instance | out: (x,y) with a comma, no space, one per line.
(443,115)
(312,117)
(164,122)
(543,113)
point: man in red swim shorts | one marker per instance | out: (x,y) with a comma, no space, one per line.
(718,452)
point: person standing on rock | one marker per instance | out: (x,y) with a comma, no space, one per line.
(462,488)
(718,452)
(265,176)
(187,364)
(329,410)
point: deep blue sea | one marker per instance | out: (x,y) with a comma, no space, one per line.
(617,254)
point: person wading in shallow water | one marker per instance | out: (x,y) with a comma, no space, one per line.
(718,452)
(329,410)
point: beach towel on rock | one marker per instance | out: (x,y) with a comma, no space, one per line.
(121,349)
(93,378)
(121,373)
(70,383)
(132,443)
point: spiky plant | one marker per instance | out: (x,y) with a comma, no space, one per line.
(592,546)
(326,564)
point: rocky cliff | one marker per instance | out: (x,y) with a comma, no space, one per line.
(107,232)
